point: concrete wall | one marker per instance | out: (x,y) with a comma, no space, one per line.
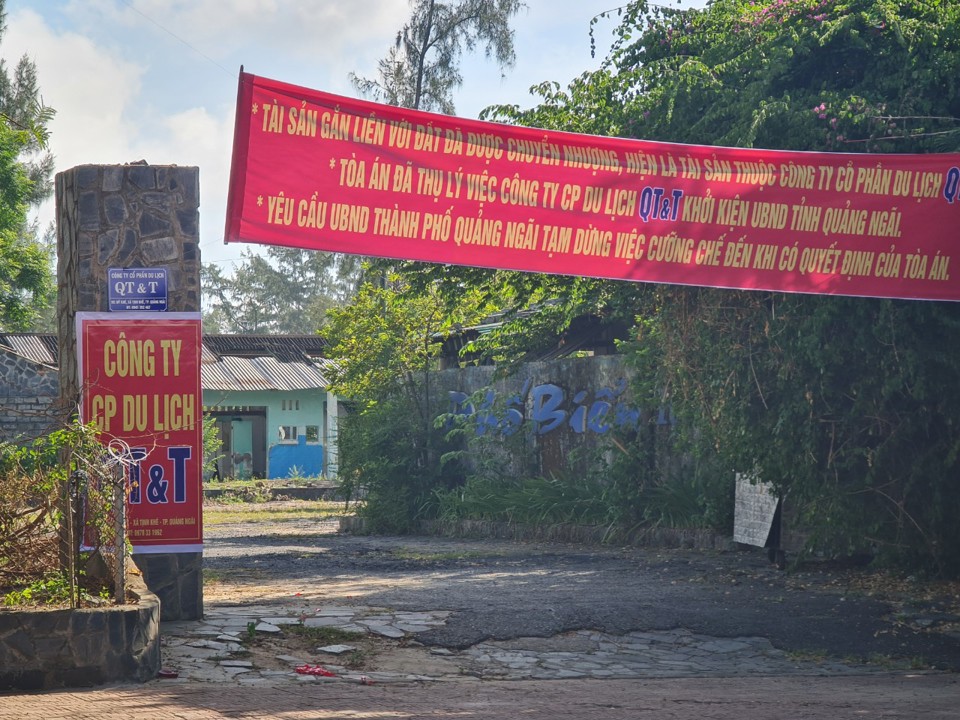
(549,409)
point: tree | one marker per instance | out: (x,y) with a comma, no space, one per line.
(288,291)
(421,70)
(26,286)
(385,344)
(386,339)
(848,406)
(845,405)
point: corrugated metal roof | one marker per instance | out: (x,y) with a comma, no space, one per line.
(282,347)
(261,373)
(207,355)
(327,366)
(38,347)
(228,362)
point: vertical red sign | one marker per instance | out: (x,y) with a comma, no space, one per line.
(140,384)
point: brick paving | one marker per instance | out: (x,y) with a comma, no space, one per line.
(930,697)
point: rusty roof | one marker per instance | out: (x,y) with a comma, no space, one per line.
(282,347)
(39,347)
(227,362)
(261,373)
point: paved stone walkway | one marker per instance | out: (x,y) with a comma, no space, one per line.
(212,651)
(582,675)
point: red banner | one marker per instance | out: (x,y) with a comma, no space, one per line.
(319,171)
(140,376)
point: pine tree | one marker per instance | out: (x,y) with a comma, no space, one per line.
(26,169)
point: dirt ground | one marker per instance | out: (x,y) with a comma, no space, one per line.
(500,590)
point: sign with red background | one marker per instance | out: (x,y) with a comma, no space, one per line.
(140,380)
(324,172)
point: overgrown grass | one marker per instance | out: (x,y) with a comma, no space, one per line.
(222,514)
(53,590)
(248,483)
(569,498)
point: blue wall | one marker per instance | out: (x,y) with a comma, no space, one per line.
(307,459)
(281,456)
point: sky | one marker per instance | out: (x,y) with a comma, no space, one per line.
(156,80)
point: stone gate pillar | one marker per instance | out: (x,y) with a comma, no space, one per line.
(130,216)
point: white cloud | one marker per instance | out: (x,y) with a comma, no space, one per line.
(91,124)
(326,37)
(90,87)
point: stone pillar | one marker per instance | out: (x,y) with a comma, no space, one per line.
(130,216)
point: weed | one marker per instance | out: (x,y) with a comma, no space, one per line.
(52,589)
(891,662)
(258,492)
(815,656)
(322,635)
(354,660)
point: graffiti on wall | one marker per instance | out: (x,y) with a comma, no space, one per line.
(551,408)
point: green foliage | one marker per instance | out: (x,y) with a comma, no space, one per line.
(28,514)
(561,498)
(384,345)
(288,290)
(848,406)
(856,75)
(26,285)
(67,468)
(212,445)
(384,453)
(620,495)
(25,280)
(52,589)
(633,479)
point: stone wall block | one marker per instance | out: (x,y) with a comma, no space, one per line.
(87,176)
(89,208)
(153,224)
(114,209)
(44,649)
(108,245)
(112,178)
(187,221)
(143,177)
(160,250)
(128,247)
